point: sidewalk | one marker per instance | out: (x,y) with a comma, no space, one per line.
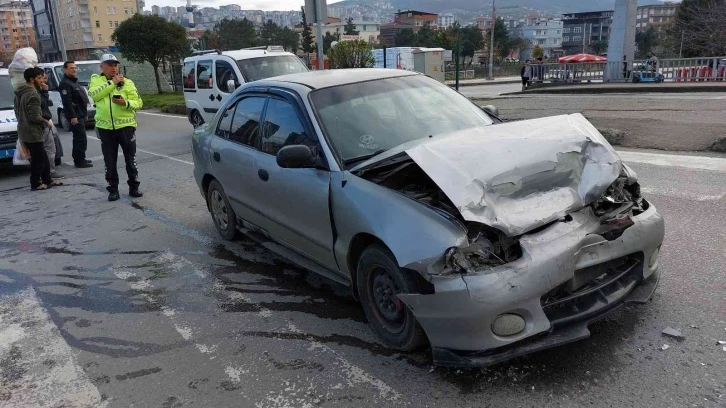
(600,88)
(483,81)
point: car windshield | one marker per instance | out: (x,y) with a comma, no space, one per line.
(367,118)
(85,70)
(7,93)
(255,69)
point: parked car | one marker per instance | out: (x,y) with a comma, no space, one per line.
(54,72)
(211,76)
(8,122)
(486,240)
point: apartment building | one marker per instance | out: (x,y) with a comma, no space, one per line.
(16,26)
(581,30)
(656,15)
(87,25)
(545,33)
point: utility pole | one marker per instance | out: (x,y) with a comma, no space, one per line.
(319,18)
(491,43)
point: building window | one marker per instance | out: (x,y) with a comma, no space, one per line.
(110,24)
(100,38)
(98,24)
(115,24)
(566,30)
(578,30)
(95,10)
(566,39)
(577,38)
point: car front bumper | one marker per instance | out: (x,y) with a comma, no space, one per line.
(458,317)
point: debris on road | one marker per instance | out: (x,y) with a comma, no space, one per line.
(665,347)
(719,145)
(614,136)
(671,332)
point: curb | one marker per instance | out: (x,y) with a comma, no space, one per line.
(488,83)
(564,90)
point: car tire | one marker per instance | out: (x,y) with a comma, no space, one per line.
(379,279)
(196,119)
(222,213)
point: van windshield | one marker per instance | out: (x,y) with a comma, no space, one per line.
(85,70)
(255,69)
(7,93)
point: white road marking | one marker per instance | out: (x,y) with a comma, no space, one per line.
(669,160)
(162,114)
(48,372)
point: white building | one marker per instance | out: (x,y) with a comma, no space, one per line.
(545,33)
(446,20)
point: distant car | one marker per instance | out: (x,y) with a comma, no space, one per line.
(8,122)
(487,240)
(210,76)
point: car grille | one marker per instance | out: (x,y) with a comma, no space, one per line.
(8,137)
(599,287)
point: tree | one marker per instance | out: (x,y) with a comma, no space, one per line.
(601,47)
(537,52)
(151,39)
(646,41)
(236,34)
(351,54)
(328,40)
(425,37)
(269,33)
(350,27)
(472,40)
(289,39)
(405,38)
(701,27)
(307,44)
(209,40)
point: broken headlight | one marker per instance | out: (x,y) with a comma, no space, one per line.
(488,248)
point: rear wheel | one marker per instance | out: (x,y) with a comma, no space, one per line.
(196,119)
(380,280)
(222,213)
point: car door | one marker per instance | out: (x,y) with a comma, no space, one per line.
(223,72)
(205,90)
(294,203)
(234,149)
(53,94)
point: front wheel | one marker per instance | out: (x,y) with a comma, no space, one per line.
(222,213)
(380,280)
(196,119)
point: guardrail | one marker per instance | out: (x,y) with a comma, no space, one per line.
(451,75)
(668,70)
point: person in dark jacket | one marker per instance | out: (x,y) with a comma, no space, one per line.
(30,128)
(49,134)
(75,109)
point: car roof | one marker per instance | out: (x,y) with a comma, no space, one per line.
(55,64)
(334,77)
(240,54)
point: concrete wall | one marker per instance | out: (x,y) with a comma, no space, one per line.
(143,76)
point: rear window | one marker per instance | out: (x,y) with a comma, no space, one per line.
(255,69)
(190,75)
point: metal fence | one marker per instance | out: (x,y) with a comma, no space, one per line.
(670,70)
(451,75)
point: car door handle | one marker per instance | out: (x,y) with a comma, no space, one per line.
(211,98)
(264,175)
(217,157)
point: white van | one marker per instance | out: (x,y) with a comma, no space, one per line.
(211,76)
(54,72)
(8,121)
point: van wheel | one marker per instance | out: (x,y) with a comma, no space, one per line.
(63,121)
(222,213)
(196,119)
(380,280)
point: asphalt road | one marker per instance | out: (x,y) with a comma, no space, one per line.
(139,303)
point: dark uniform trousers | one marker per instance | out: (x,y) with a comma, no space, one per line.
(110,142)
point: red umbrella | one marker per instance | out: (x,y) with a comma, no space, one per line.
(581,58)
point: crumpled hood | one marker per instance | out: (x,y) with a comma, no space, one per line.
(521,175)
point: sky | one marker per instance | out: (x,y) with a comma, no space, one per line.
(267,5)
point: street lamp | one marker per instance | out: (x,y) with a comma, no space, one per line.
(491,44)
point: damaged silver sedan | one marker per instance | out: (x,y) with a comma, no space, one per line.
(485,240)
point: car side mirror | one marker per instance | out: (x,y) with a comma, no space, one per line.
(491,109)
(231,85)
(296,157)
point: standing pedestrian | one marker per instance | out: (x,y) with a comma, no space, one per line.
(30,128)
(539,70)
(49,133)
(75,108)
(526,74)
(116,104)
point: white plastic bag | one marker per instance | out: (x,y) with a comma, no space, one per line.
(21,157)
(24,58)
